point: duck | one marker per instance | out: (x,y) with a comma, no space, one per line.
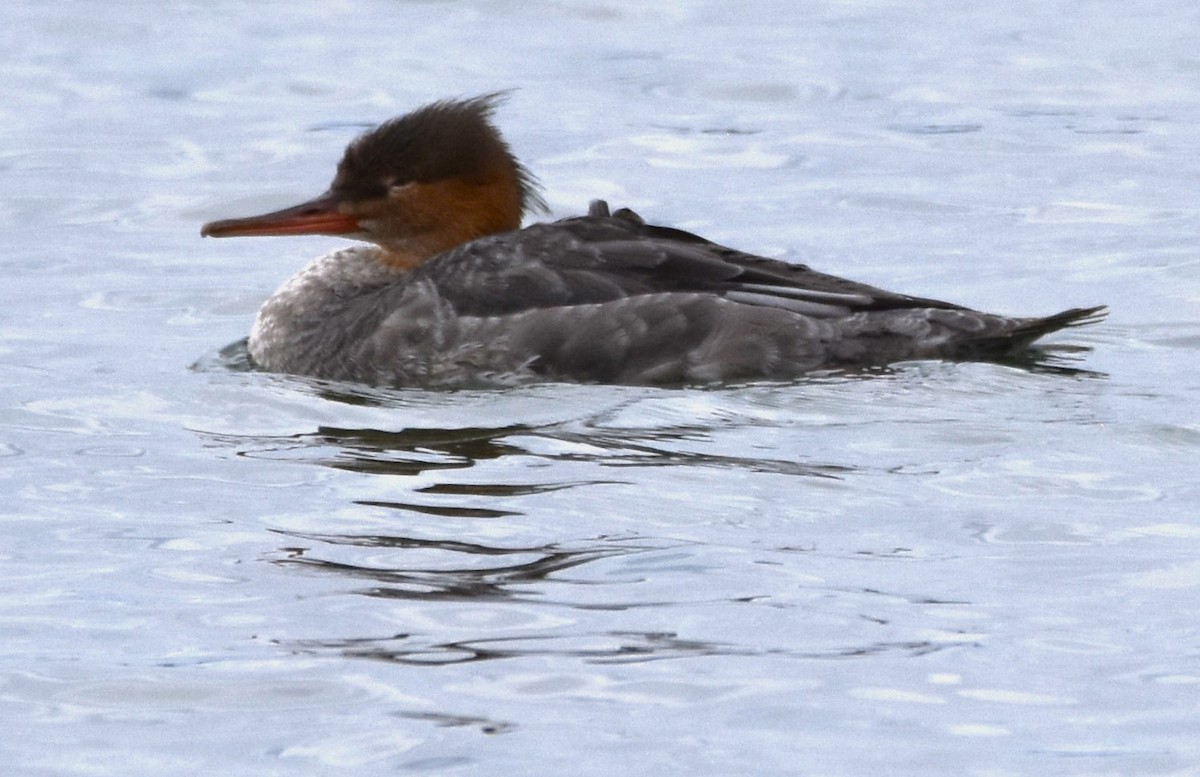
(445,288)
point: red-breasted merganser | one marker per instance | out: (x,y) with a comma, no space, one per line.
(454,292)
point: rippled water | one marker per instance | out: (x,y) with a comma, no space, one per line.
(937,568)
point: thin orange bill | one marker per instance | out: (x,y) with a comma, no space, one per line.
(315,217)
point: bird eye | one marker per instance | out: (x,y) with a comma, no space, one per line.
(397,188)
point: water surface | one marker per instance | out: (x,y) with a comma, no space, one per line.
(935,568)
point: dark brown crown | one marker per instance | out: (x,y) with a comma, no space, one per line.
(448,139)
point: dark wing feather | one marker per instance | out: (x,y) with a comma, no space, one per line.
(601,257)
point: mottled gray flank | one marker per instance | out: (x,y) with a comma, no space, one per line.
(606,298)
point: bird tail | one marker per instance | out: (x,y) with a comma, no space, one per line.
(1031,329)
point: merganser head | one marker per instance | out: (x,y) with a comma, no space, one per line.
(416,185)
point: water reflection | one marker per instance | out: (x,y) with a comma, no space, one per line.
(603,648)
(613,647)
(376,451)
(444,720)
(537,581)
(416,451)
(1055,359)
(466,577)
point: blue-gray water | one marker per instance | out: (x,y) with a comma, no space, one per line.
(938,569)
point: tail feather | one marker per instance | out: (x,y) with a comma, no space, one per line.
(1031,329)
(1035,329)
